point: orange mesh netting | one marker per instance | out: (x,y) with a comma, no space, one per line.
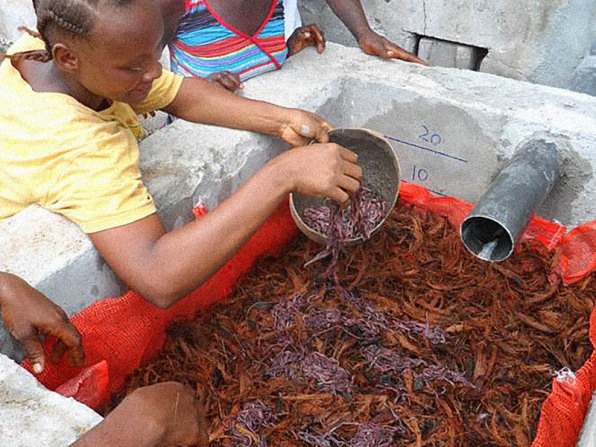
(119,334)
(578,252)
(123,333)
(564,409)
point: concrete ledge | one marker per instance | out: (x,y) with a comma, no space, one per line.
(453,130)
(54,255)
(30,415)
(584,77)
(587,436)
(539,41)
(437,117)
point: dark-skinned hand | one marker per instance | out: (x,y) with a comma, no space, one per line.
(166,414)
(173,407)
(377,45)
(301,127)
(306,36)
(28,315)
(229,80)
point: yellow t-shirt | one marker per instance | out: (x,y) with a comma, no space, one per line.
(68,158)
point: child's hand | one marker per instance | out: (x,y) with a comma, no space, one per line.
(322,170)
(27,314)
(306,36)
(377,45)
(229,80)
(301,128)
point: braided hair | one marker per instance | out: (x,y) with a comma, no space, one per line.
(72,17)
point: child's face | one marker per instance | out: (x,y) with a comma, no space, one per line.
(120,61)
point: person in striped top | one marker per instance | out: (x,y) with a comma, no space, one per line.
(230,41)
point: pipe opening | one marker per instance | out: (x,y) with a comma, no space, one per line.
(486,238)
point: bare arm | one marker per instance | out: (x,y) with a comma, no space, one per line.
(351,13)
(172,11)
(166,414)
(206,102)
(164,267)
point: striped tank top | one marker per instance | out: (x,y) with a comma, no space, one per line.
(205,44)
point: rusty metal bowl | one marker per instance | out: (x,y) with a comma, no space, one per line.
(380,170)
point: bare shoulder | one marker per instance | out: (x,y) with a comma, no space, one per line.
(172,6)
(172,11)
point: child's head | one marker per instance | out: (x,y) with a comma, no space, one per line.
(110,48)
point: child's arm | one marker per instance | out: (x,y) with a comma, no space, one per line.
(201,101)
(351,13)
(27,314)
(164,267)
(165,414)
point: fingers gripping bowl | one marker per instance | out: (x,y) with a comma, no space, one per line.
(381,173)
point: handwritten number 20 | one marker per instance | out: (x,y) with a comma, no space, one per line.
(432,138)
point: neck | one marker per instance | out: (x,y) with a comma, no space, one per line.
(46,77)
(75,89)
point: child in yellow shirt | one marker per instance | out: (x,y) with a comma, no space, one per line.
(68,107)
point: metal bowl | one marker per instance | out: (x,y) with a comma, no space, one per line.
(380,171)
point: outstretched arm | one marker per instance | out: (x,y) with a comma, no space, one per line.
(164,267)
(351,13)
(201,101)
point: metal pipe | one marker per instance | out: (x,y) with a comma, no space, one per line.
(498,220)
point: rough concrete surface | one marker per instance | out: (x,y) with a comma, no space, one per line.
(583,79)
(14,13)
(451,129)
(538,41)
(55,256)
(587,436)
(32,416)
(439,53)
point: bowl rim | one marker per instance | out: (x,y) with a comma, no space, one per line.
(319,237)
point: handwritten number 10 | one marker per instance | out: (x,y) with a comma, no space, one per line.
(419,174)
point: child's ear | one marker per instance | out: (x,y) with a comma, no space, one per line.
(65,58)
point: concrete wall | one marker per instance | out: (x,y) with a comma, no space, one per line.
(30,415)
(541,41)
(14,13)
(583,79)
(453,130)
(587,436)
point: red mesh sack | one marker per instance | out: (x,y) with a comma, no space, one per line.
(90,387)
(564,410)
(578,253)
(125,332)
(453,209)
